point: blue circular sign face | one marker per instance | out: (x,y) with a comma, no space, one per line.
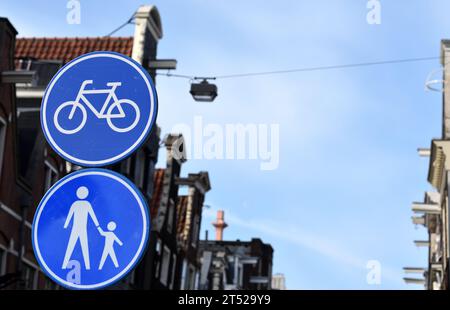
(98,108)
(90,229)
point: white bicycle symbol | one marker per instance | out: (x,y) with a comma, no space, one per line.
(109,115)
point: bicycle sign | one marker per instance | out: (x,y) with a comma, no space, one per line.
(109,115)
(98,109)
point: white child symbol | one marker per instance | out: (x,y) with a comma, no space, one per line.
(108,250)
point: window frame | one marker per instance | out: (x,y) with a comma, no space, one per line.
(165,265)
(172,276)
(30,274)
(195,230)
(3,129)
(148,178)
(170,216)
(139,168)
(49,169)
(24,110)
(191,279)
(158,256)
(3,259)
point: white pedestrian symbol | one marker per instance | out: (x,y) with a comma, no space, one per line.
(80,211)
(108,250)
(105,112)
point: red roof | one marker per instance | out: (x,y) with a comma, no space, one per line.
(158,180)
(66,49)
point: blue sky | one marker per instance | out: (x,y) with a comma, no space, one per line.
(348,163)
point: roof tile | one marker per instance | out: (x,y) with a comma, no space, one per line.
(66,49)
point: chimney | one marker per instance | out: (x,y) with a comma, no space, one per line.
(147,32)
(220,225)
(175,148)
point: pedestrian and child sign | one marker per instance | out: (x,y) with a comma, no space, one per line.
(91,227)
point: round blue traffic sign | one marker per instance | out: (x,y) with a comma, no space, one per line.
(98,108)
(90,229)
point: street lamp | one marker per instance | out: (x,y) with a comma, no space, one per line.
(414,281)
(203,91)
(162,64)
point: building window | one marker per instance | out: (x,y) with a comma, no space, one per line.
(132,277)
(29,277)
(29,136)
(2,141)
(125,166)
(50,284)
(240,275)
(158,257)
(51,175)
(149,178)
(184,271)
(45,70)
(197,280)
(158,246)
(139,169)
(195,228)
(191,277)
(170,216)
(3,255)
(174,265)
(165,266)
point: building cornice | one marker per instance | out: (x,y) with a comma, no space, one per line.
(439,162)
